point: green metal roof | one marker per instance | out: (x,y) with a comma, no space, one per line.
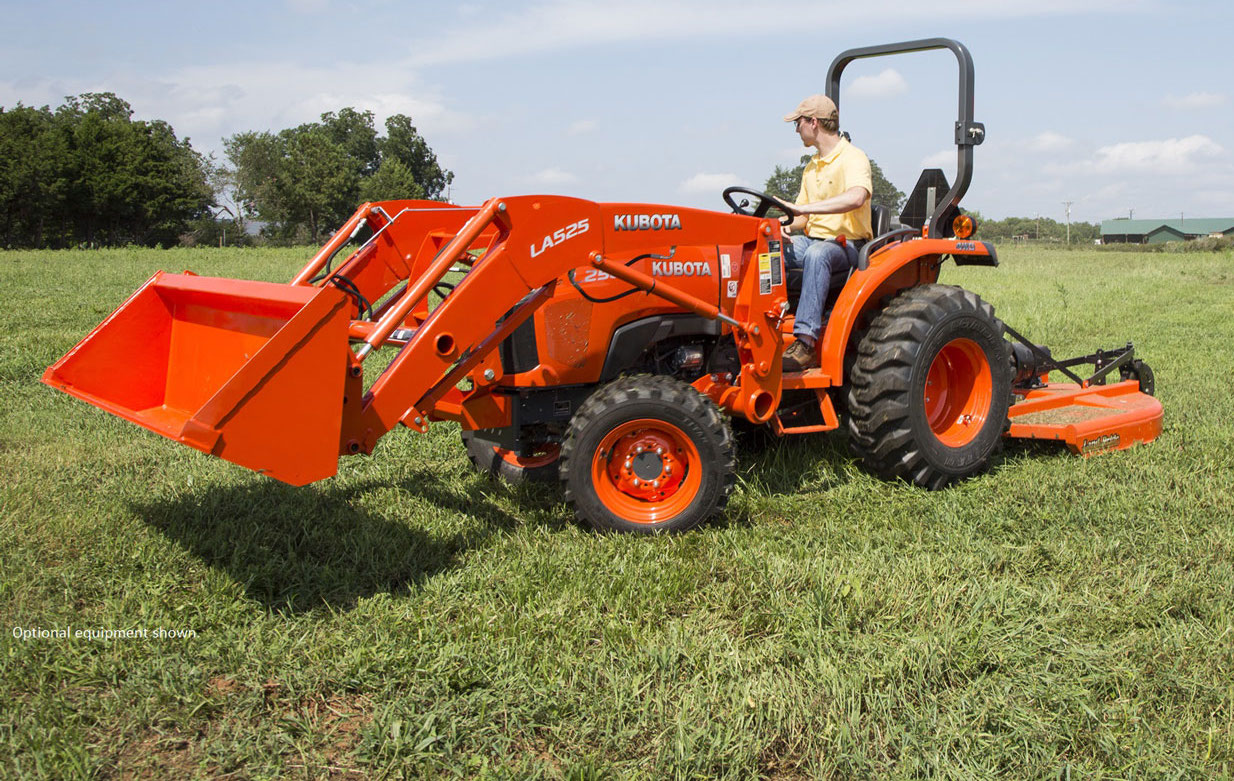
(1187,225)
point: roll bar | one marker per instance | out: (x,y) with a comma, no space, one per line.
(968,133)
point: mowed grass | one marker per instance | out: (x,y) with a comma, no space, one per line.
(1057,617)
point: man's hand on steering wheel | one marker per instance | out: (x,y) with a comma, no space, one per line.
(765,203)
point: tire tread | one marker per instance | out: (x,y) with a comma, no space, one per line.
(880,384)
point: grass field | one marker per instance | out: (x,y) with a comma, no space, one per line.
(1057,617)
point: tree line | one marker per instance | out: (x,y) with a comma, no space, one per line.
(306,180)
(1041,229)
(87,174)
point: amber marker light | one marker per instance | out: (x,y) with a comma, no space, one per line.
(963,226)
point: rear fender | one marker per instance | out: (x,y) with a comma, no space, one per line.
(890,269)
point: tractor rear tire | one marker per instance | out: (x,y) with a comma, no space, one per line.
(495,461)
(647,454)
(930,388)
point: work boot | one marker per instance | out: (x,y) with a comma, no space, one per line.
(799,357)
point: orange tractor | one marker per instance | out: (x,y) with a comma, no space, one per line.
(604,345)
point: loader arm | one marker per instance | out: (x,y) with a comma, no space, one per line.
(265,375)
(535,241)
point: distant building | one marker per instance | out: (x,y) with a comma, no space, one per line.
(1124,231)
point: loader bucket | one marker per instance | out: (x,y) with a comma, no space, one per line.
(251,372)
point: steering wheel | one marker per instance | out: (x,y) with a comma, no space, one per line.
(765,203)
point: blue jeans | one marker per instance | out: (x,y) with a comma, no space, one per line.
(819,260)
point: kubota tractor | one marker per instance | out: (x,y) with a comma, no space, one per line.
(605,345)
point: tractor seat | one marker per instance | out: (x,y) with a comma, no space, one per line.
(880,221)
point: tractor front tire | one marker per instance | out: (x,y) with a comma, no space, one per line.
(930,388)
(647,454)
(495,461)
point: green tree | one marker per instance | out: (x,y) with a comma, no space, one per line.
(299,181)
(404,144)
(87,173)
(354,132)
(319,179)
(1043,229)
(785,183)
(305,180)
(254,174)
(35,177)
(393,180)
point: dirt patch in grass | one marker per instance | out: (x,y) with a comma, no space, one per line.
(154,755)
(335,722)
(782,761)
(222,686)
(342,719)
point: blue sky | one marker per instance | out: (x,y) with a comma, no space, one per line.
(1115,106)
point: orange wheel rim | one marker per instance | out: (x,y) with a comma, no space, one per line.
(543,455)
(646,471)
(958,391)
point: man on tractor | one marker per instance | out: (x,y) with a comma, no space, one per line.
(832,220)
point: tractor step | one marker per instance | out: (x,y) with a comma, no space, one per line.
(1089,419)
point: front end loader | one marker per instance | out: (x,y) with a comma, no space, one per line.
(605,345)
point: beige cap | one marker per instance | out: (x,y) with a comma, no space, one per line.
(817,106)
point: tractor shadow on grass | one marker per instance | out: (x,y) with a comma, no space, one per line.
(818,463)
(298,550)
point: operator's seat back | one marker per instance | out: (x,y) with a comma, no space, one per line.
(880,219)
(930,190)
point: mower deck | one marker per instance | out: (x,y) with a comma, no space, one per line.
(1089,419)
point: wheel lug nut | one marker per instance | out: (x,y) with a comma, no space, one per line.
(659,451)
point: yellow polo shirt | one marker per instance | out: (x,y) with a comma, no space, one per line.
(843,167)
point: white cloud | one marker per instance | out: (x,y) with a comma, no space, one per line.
(1049,141)
(554,25)
(581,126)
(552,176)
(308,6)
(886,84)
(1195,100)
(206,103)
(709,183)
(1112,192)
(793,156)
(940,159)
(1164,157)
(1219,201)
